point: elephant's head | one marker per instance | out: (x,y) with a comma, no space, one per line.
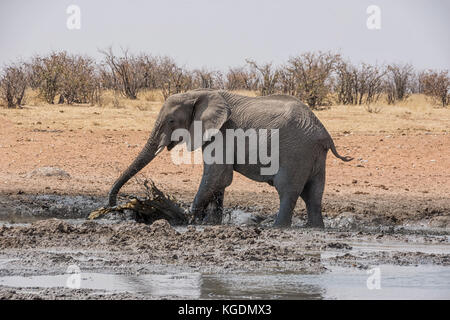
(178,112)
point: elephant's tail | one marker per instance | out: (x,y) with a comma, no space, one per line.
(332,147)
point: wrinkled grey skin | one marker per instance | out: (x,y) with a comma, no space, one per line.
(304,143)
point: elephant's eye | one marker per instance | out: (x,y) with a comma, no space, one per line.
(171,121)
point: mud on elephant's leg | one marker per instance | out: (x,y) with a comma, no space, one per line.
(207,207)
(214,210)
(208,202)
(287,205)
(312,195)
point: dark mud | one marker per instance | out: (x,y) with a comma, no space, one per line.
(25,208)
(298,262)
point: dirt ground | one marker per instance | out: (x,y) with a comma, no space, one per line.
(400,172)
(60,161)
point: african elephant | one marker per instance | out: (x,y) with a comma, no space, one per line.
(303,145)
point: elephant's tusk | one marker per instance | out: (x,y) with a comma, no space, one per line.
(159,150)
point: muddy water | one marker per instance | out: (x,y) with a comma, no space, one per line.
(384,281)
(396,282)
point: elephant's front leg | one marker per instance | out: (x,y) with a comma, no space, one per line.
(216,178)
(214,210)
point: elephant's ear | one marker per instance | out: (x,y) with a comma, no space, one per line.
(212,112)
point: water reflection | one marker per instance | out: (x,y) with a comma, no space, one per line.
(423,282)
(183,285)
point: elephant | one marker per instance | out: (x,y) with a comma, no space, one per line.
(303,146)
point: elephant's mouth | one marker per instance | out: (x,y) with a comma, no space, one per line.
(172,144)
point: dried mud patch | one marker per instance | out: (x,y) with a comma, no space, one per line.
(367,259)
(226,247)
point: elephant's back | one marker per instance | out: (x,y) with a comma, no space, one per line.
(293,118)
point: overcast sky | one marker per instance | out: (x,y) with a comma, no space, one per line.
(218,34)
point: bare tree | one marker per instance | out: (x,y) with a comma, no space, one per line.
(204,78)
(241,79)
(172,78)
(358,85)
(46,74)
(287,81)
(346,87)
(73,77)
(79,82)
(312,75)
(127,72)
(268,77)
(398,82)
(13,83)
(370,83)
(436,84)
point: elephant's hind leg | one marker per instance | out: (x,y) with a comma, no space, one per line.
(287,205)
(289,185)
(312,195)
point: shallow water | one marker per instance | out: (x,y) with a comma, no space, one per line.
(396,282)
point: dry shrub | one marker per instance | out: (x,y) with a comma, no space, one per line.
(359,85)
(316,78)
(308,77)
(72,77)
(267,77)
(172,79)
(436,85)
(240,78)
(13,83)
(398,82)
(127,72)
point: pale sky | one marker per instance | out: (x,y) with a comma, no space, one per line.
(219,34)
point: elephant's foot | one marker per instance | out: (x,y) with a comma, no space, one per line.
(282,223)
(210,217)
(213,214)
(315,223)
(197,215)
(213,217)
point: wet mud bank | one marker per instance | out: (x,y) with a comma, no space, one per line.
(121,259)
(21,207)
(349,215)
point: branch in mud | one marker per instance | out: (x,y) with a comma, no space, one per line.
(156,205)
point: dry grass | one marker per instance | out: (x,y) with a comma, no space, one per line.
(118,113)
(414,114)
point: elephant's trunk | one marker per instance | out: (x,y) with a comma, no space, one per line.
(147,154)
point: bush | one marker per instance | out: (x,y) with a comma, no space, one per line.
(398,82)
(241,79)
(73,77)
(358,85)
(79,82)
(129,72)
(267,79)
(316,78)
(13,83)
(436,84)
(308,77)
(171,78)
(46,74)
